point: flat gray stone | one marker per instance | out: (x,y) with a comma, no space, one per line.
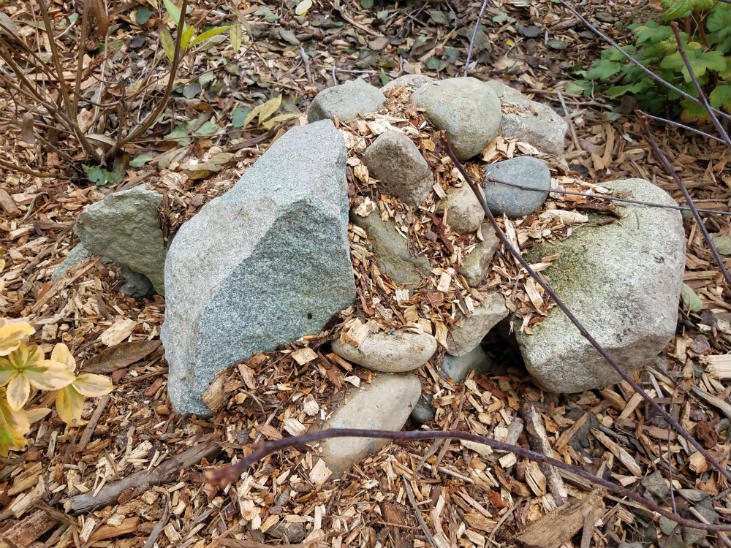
(345,101)
(397,352)
(529,121)
(463,212)
(247,272)
(470,331)
(412,81)
(512,201)
(458,368)
(124,226)
(622,281)
(476,265)
(385,404)
(392,251)
(468,110)
(394,159)
(78,254)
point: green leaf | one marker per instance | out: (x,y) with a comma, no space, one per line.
(439,17)
(678,10)
(180,134)
(185,39)
(173,10)
(721,97)
(366,4)
(303,7)
(143,15)
(207,128)
(264,11)
(192,89)
(206,78)
(500,18)
(578,87)
(167,42)
(723,244)
(236,36)
(382,14)
(141,159)
(104,177)
(603,70)
(210,33)
(271,122)
(691,301)
(239,115)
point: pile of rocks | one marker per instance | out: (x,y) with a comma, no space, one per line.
(274,259)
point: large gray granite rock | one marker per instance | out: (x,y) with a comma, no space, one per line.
(412,81)
(262,265)
(622,281)
(394,159)
(78,254)
(529,121)
(385,404)
(345,101)
(124,227)
(512,201)
(466,108)
(392,251)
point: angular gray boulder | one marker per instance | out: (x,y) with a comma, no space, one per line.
(513,201)
(476,265)
(262,265)
(529,121)
(622,281)
(468,110)
(78,254)
(470,331)
(345,101)
(394,159)
(124,227)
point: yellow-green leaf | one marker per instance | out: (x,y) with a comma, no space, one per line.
(210,33)
(18,391)
(49,375)
(6,372)
(69,404)
(24,356)
(92,386)
(281,118)
(12,334)
(36,414)
(62,355)
(154,4)
(13,427)
(167,42)
(173,10)
(235,39)
(303,7)
(185,39)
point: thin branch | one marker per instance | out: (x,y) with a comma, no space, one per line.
(160,107)
(232,472)
(669,168)
(635,61)
(698,87)
(474,35)
(584,333)
(13,167)
(80,58)
(682,126)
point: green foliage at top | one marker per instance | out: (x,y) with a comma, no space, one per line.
(708,48)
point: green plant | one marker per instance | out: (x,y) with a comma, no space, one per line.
(707,41)
(23,368)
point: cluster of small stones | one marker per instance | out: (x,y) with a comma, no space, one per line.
(283,229)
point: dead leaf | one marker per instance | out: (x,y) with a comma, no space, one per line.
(119,356)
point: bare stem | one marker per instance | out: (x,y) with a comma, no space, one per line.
(474,35)
(21,169)
(80,57)
(232,472)
(678,124)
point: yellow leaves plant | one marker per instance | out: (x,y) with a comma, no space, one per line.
(265,111)
(23,367)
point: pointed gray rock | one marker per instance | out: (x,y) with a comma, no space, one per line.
(470,331)
(124,226)
(345,101)
(468,110)
(262,265)
(622,281)
(394,159)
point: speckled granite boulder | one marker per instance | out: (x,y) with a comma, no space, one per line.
(345,101)
(622,281)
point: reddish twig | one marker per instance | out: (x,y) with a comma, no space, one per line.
(474,35)
(669,168)
(698,87)
(678,124)
(584,333)
(232,472)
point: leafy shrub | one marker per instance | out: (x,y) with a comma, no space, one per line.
(23,367)
(707,44)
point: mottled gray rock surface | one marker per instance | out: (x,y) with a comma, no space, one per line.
(385,404)
(124,226)
(409,80)
(135,285)
(458,368)
(423,411)
(463,212)
(513,201)
(529,121)
(392,251)
(622,281)
(476,264)
(77,255)
(468,110)
(262,265)
(395,160)
(345,101)
(397,352)
(470,331)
